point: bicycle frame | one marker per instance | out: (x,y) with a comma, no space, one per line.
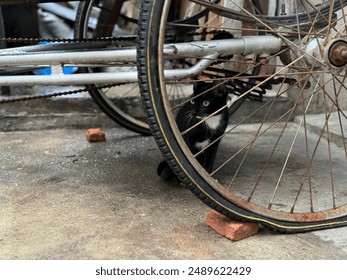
(57,58)
(31,2)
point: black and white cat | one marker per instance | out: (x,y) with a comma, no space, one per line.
(207,99)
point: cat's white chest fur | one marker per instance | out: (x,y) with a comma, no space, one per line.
(203,144)
(214,122)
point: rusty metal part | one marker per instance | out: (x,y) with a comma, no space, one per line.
(338,54)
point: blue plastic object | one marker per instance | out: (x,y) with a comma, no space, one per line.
(47,71)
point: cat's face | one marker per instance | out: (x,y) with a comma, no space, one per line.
(208,98)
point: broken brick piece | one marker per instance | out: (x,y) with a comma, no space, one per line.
(231,229)
(95,135)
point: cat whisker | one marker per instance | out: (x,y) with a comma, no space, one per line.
(187,117)
(191,117)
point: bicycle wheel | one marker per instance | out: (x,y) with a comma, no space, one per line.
(122,103)
(282,163)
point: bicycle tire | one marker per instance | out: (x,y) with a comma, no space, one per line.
(112,106)
(206,186)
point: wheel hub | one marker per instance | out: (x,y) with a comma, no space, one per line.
(327,55)
(337,53)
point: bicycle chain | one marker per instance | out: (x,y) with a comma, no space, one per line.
(58,40)
(67,40)
(55,94)
(64,40)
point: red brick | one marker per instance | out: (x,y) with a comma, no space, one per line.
(95,135)
(231,229)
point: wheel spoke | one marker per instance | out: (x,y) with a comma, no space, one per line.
(281,158)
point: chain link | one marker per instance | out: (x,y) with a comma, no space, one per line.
(55,94)
(67,40)
(59,40)
(64,40)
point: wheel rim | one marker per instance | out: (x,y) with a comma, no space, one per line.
(282,145)
(122,103)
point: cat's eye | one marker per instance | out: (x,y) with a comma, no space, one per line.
(206,103)
(192,101)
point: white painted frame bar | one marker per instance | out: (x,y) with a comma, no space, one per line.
(207,50)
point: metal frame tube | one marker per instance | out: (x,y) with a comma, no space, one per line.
(18,58)
(101,78)
(260,45)
(73,79)
(29,2)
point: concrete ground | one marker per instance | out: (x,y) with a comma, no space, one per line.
(62,197)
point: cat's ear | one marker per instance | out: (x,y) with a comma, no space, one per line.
(196,83)
(199,87)
(222,91)
(195,86)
